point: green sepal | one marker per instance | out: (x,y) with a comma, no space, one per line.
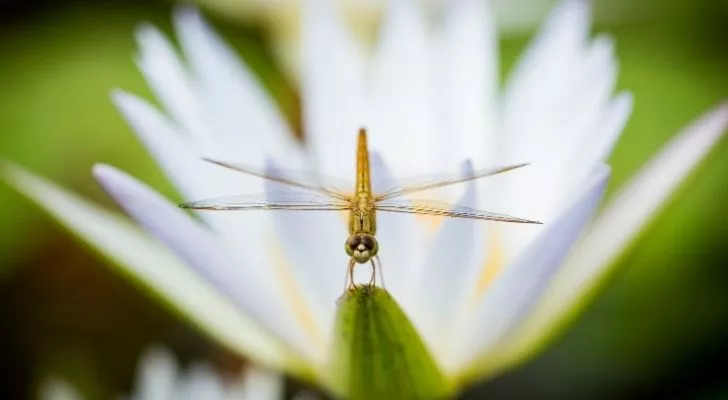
(378,354)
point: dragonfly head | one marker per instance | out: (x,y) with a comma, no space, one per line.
(362,247)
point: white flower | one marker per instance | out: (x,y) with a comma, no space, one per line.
(160,378)
(483,296)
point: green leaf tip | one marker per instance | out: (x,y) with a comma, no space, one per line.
(378,354)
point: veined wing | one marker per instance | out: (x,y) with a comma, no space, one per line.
(272,201)
(310,181)
(397,188)
(431,207)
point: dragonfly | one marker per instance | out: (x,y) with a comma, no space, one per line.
(362,204)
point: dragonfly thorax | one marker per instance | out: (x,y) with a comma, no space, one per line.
(362,247)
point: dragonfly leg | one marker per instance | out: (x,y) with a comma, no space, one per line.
(381,271)
(373,279)
(349,279)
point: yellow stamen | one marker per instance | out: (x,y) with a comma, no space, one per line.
(493,265)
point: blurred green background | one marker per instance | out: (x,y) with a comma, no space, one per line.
(659,329)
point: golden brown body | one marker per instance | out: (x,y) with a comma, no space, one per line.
(361,245)
(362,218)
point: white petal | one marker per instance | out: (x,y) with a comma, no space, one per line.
(403,93)
(175,153)
(312,245)
(597,146)
(580,109)
(560,98)
(332,87)
(154,267)
(587,90)
(242,118)
(468,62)
(246,278)
(620,222)
(531,193)
(559,115)
(451,264)
(156,375)
(260,384)
(180,158)
(544,69)
(168,79)
(539,89)
(514,293)
(56,389)
(401,239)
(200,382)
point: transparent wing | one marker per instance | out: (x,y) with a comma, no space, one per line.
(430,207)
(307,180)
(397,188)
(271,201)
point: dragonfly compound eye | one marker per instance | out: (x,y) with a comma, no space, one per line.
(370,243)
(351,244)
(361,247)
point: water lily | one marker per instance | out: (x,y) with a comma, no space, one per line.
(159,377)
(468,300)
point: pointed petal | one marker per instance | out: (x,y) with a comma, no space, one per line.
(245,278)
(452,261)
(403,94)
(592,117)
(312,246)
(565,85)
(238,111)
(561,84)
(559,114)
(166,75)
(402,237)
(616,228)
(180,158)
(156,375)
(597,147)
(535,111)
(174,152)
(543,71)
(514,293)
(260,384)
(468,62)
(151,265)
(332,85)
